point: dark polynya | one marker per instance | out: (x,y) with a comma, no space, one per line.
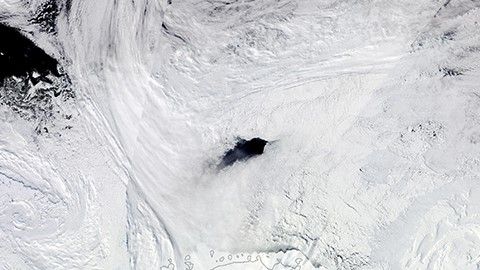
(21,57)
(243,150)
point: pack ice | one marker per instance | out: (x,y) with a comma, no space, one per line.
(240,134)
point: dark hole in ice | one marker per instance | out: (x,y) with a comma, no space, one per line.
(21,57)
(449,35)
(451,72)
(243,150)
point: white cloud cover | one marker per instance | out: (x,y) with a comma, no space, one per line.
(371,108)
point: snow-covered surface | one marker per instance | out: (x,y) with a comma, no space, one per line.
(372,109)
